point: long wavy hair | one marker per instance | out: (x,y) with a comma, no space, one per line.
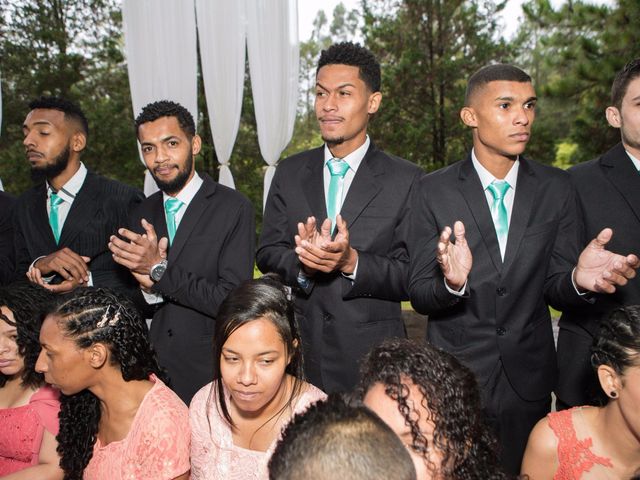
(29,304)
(88,316)
(450,395)
(268,298)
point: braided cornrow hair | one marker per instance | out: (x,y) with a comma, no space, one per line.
(95,315)
(450,395)
(617,343)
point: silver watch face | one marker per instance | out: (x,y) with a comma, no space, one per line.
(158,270)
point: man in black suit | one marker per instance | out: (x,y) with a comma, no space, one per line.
(6,238)
(518,218)
(608,190)
(62,225)
(348,285)
(190,244)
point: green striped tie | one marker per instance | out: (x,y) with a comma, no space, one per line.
(171,207)
(54,202)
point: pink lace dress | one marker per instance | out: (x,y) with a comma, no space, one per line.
(213,454)
(22,429)
(156,447)
(576,461)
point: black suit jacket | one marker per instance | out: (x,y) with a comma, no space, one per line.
(608,190)
(7,261)
(211,253)
(341,320)
(504,314)
(101,207)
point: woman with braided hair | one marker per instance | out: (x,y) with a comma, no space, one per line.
(28,407)
(118,420)
(596,442)
(432,402)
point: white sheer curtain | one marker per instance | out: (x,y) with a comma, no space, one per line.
(272,40)
(221,34)
(160,44)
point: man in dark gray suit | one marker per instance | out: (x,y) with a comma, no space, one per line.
(62,225)
(515,250)
(188,246)
(336,225)
(608,191)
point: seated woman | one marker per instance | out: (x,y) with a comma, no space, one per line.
(432,402)
(596,442)
(28,407)
(118,419)
(257,384)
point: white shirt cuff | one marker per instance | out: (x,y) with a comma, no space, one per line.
(457,293)
(152,298)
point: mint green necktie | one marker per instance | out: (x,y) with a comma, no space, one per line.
(338,169)
(54,201)
(171,207)
(498,189)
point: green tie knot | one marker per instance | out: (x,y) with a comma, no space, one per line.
(172,206)
(55,199)
(498,188)
(338,167)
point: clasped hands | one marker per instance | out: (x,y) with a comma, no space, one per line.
(73,268)
(598,270)
(317,252)
(139,252)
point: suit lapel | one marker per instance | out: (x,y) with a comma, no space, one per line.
(313,180)
(364,187)
(40,218)
(471,189)
(523,202)
(621,172)
(191,217)
(83,209)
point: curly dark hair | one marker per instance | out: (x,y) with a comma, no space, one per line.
(166,108)
(332,439)
(88,316)
(451,396)
(29,304)
(355,55)
(70,109)
(624,77)
(617,343)
(265,297)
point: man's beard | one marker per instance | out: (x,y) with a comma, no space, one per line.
(333,141)
(52,170)
(174,186)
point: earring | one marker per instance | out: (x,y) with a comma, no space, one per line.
(613,394)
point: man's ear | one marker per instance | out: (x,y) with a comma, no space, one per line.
(78,142)
(196,145)
(374,102)
(610,381)
(468,117)
(98,355)
(613,117)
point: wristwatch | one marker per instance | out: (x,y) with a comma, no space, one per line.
(158,270)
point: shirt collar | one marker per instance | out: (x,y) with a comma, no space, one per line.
(487,177)
(188,192)
(636,162)
(354,159)
(70,189)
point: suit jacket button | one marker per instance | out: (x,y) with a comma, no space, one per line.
(501,291)
(501,331)
(170,333)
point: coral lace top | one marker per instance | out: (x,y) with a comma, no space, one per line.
(213,453)
(23,427)
(576,460)
(156,447)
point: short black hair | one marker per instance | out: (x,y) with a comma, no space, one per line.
(348,53)
(624,77)
(167,108)
(71,110)
(334,440)
(494,73)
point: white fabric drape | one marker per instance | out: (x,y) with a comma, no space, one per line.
(272,40)
(160,44)
(221,34)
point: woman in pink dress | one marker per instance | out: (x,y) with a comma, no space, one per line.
(118,420)
(597,442)
(28,408)
(257,387)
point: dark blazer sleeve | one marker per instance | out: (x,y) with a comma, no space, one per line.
(7,254)
(276,250)
(386,276)
(235,264)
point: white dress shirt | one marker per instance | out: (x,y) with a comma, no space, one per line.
(636,162)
